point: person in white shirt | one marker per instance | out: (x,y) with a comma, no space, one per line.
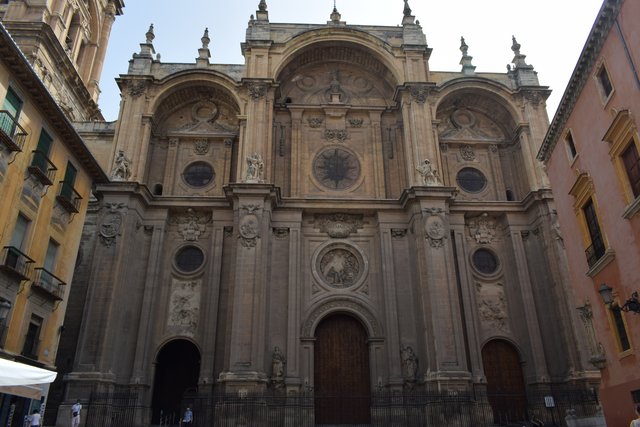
(75,414)
(34,419)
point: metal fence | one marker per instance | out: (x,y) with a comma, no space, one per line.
(387,409)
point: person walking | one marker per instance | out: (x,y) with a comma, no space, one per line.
(35,418)
(187,420)
(75,414)
(636,422)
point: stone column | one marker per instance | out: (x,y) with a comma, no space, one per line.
(539,367)
(252,206)
(438,290)
(293,373)
(377,153)
(296,137)
(258,137)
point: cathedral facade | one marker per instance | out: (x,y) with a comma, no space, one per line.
(330,218)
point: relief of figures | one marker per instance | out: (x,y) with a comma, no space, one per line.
(340,268)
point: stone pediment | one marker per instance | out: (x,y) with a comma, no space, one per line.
(465,125)
(200,128)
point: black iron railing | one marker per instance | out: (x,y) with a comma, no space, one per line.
(48,283)
(406,409)
(595,251)
(68,197)
(12,135)
(16,263)
(42,168)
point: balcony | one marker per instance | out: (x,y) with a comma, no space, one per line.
(68,197)
(48,284)
(595,251)
(31,348)
(42,169)
(11,133)
(16,263)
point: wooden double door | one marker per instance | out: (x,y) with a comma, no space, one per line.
(342,376)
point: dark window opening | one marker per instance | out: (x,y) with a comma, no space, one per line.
(157,190)
(199,174)
(605,82)
(189,259)
(485,261)
(32,339)
(471,180)
(621,330)
(571,145)
(510,196)
(631,162)
(597,249)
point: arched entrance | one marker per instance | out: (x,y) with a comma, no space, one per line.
(341,379)
(177,371)
(505,381)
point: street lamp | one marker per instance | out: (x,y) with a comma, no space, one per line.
(632,304)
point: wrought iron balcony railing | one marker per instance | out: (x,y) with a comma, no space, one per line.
(42,168)
(16,263)
(48,283)
(68,197)
(595,251)
(12,135)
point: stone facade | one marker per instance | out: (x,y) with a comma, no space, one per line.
(333,172)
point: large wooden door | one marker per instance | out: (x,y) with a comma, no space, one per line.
(342,384)
(505,382)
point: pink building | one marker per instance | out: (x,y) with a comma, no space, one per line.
(591,153)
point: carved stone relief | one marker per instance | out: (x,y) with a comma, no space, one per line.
(336,135)
(356,123)
(121,167)
(315,122)
(464,124)
(429,174)
(492,305)
(467,153)
(434,227)
(278,363)
(201,147)
(111,223)
(191,224)
(184,305)
(597,356)
(483,229)
(340,266)
(249,226)
(257,90)
(398,233)
(409,364)
(136,88)
(280,233)
(336,168)
(255,169)
(419,94)
(339,225)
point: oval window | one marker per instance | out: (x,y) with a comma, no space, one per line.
(485,261)
(198,174)
(471,180)
(189,259)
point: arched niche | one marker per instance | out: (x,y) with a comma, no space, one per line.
(195,126)
(478,131)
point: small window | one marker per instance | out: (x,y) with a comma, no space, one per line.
(635,395)
(471,180)
(631,162)
(189,259)
(597,248)
(199,174)
(20,231)
(510,196)
(157,190)
(605,82)
(51,256)
(571,146)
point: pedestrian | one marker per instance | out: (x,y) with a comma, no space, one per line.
(636,422)
(34,419)
(187,420)
(75,414)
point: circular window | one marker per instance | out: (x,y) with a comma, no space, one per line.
(189,259)
(199,174)
(471,180)
(336,168)
(485,261)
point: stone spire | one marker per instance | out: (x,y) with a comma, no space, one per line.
(467,66)
(203,53)
(522,73)
(408,18)
(335,16)
(146,48)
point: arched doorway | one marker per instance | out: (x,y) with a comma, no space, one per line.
(505,381)
(341,379)
(177,371)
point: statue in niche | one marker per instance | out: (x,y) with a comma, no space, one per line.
(409,363)
(255,168)
(121,168)
(278,361)
(429,174)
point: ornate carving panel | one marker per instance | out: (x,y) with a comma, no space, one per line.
(339,266)
(339,225)
(336,168)
(184,305)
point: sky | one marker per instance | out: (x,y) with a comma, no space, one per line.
(552,33)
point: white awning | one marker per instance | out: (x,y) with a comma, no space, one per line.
(14,373)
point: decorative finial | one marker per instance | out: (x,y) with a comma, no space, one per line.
(335,7)
(407,9)
(467,66)
(515,47)
(262,7)
(463,46)
(205,39)
(335,15)
(150,36)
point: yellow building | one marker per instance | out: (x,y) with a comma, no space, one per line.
(46,175)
